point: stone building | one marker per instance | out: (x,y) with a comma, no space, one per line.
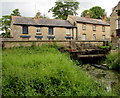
(74,28)
(115,21)
(91,29)
(26,28)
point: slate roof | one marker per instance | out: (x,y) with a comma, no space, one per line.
(89,20)
(18,20)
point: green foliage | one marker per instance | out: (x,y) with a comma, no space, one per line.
(95,12)
(15,12)
(6,20)
(113,61)
(44,71)
(63,8)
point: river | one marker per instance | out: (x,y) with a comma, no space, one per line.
(109,78)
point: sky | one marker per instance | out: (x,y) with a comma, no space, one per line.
(29,8)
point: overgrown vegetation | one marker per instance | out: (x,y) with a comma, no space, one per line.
(113,60)
(44,71)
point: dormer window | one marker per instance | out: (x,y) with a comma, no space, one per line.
(94,27)
(84,26)
(38,31)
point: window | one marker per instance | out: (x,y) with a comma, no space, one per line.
(116,24)
(84,37)
(94,36)
(119,24)
(103,28)
(84,26)
(38,31)
(103,37)
(94,27)
(25,30)
(68,32)
(50,31)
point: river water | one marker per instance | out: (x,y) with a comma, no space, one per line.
(110,78)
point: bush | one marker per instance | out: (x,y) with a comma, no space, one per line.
(44,71)
(113,61)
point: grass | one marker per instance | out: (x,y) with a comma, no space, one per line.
(44,71)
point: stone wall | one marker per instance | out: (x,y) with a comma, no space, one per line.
(8,44)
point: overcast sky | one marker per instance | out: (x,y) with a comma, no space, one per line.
(30,7)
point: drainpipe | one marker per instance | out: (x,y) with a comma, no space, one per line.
(76,33)
(73,33)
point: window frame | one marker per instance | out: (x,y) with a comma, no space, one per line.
(68,31)
(103,37)
(103,28)
(83,26)
(118,23)
(50,31)
(84,37)
(38,31)
(24,29)
(94,27)
(94,36)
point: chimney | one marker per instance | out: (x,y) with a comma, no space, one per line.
(87,15)
(104,17)
(37,15)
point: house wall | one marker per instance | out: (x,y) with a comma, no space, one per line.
(59,32)
(89,32)
(113,19)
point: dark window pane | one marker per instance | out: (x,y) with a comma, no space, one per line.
(25,29)
(50,31)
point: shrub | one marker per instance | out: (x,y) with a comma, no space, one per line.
(113,61)
(44,71)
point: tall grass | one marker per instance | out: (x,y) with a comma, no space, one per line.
(44,71)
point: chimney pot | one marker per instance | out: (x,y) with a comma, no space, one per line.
(37,15)
(87,15)
(104,17)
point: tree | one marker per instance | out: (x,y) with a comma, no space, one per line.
(6,25)
(95,12)
(63,8)
(15,12)
(6,20)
